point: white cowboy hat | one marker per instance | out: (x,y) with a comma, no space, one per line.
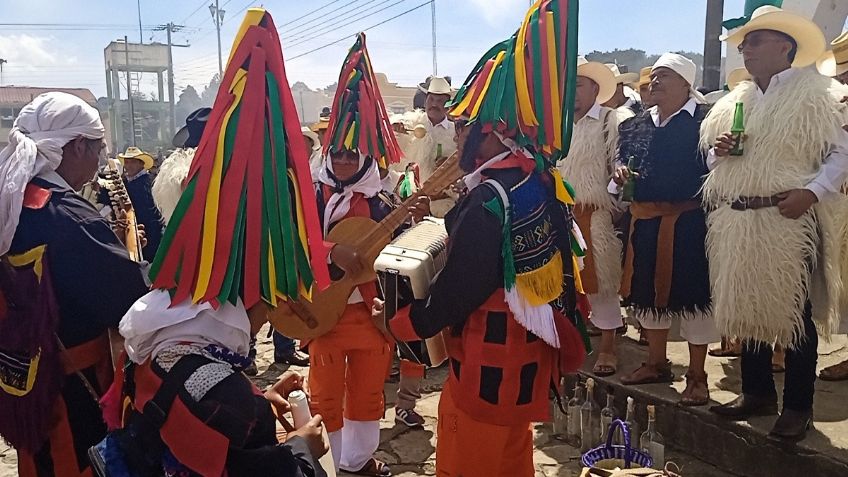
(835,62)
(737,76)
(625,77)
(316,143)
(601,75)
(136,153)
(439,86)
(808,36)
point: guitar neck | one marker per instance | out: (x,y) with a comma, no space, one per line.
(443,177)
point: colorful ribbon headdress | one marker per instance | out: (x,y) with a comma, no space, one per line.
(359,121)
(525,85)
(247,223)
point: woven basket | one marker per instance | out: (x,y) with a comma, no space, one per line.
(621,454)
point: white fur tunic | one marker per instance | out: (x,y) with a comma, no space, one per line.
(763,266)
(588,168)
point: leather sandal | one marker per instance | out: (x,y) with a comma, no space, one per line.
(730,348)
(648,374)
(374,468)
(690,396)
(837,372)
(605,365)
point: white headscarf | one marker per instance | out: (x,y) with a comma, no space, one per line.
(338,204)
(38,135)
(152,325)
(685,68)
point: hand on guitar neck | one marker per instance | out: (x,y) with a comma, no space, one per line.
(121,226)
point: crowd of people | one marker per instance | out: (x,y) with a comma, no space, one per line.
(644,203)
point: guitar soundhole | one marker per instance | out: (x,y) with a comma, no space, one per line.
(336,273)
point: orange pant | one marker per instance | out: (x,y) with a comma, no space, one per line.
(347,370)
(469,448)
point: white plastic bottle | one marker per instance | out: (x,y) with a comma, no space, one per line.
(301,415)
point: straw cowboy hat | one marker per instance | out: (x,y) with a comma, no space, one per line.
(136,153)
(424,86)
(835,62)
(601,75)
(439,86)
(643,79)
(622,76)
(736,76)
(316,143)
(808,36)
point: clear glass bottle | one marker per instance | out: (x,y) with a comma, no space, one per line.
(652,441)
(560,419)
(574,405)
(590,419)
(630,421)
(608,414)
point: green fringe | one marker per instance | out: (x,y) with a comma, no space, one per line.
(496,207)
(580,324)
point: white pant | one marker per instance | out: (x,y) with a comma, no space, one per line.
(699,329)
(606,312)
(354,444)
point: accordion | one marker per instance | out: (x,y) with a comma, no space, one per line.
(415,258)
(417,255)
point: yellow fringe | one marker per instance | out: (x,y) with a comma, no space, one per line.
(542,285)
(578,282)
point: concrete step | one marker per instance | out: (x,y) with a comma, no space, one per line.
(741,448)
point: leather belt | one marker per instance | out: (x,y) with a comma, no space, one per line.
(754,203)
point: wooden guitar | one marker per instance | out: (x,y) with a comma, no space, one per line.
(126,224)
(303,319)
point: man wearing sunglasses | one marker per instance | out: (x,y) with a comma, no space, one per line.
(776,214)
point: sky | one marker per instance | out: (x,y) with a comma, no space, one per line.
(66,50)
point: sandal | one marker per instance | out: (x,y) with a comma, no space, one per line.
(605,365)
(373,468)
(691,395)
(730,348)
(837,372)
(648,374)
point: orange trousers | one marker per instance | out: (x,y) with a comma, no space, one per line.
(469,448)
(347,370)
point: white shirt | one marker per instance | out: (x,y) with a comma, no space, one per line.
(445,124)
(594,112)
(834,169)
(689,107)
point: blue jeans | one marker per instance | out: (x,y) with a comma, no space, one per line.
(283,345)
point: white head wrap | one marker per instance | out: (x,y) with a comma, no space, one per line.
(38,135)
(338,204)
(153,324)
(685,68)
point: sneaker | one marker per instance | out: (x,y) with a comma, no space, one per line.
(408,417)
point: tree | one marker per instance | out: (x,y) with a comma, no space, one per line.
(188,102)
(211,91)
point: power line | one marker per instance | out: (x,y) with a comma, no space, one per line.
(309,13)
(294,30)
(364,29)
(298,40)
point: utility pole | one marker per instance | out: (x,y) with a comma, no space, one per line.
(218,18)
(433,14)
(129,89)
(712,46)
(140,34)
(2,62)
(171,28)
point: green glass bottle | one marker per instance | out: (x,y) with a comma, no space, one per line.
(629,188)
(738,131)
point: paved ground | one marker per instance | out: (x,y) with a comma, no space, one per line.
(412,452)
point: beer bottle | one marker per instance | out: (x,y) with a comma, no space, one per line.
(629,188)
(738,131)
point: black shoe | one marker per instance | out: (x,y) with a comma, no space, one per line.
(296,358)
(747,405)
(792,425)
(251,370)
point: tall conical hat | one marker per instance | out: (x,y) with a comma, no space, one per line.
(525,85)
(359,121)
(247,224)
